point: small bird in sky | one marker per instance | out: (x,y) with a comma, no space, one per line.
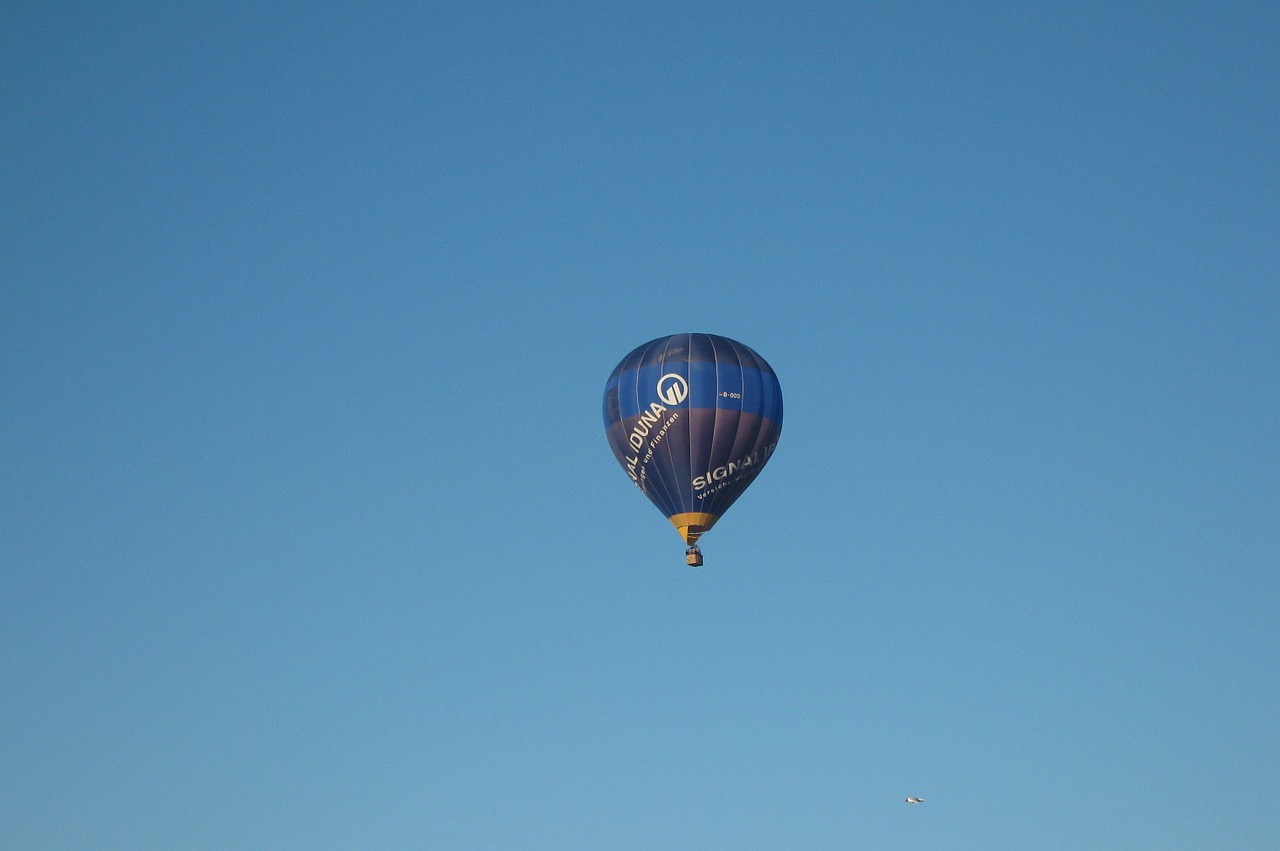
(915,800)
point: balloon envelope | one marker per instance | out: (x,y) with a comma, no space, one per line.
(693,419)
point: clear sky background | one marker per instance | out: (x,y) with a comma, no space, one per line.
(310,536)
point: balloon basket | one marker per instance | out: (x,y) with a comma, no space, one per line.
(693,556)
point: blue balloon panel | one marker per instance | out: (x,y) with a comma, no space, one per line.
(693,419)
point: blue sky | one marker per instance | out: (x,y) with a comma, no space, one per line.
(310,536)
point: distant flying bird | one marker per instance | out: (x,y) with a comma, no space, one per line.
(915,800)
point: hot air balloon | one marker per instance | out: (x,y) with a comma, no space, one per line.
(693,419)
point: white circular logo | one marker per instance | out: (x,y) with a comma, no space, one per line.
(673,389)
